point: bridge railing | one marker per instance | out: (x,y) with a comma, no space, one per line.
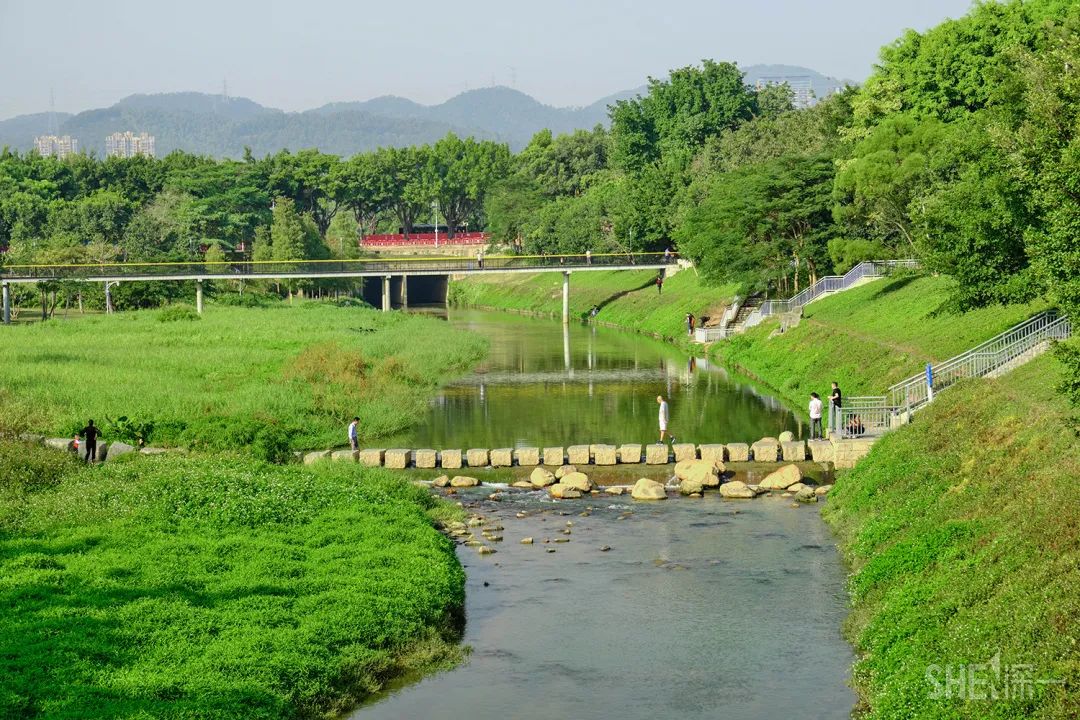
(871,415)
(301,268)
(828,285)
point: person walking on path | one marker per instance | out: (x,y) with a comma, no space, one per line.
(90,434)
(354,439)
(588,256)
(689,323)
(663,418)
(816,408)
(836,401)
(480,259)
(667,255)
(660,284)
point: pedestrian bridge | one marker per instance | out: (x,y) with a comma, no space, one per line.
(428,276)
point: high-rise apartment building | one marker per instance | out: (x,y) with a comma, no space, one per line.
(802,89)
(128,144)
(53,146)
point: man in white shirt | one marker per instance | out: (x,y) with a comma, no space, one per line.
(816,408)
(663,419)
(354,439)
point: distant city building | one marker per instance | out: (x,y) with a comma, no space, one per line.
(802,89)
(128,144)
(53,146)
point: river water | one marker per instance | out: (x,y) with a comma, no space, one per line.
(546,384)
(701,609)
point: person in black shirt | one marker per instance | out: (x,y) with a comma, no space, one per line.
(90,435)
(835,403)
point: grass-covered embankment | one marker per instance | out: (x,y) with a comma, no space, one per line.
(221,587)
(963,532)
(866,338)
(627,299)
(296,372)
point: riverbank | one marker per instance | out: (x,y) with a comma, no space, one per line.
(280,377)
(173,586)
(626,300)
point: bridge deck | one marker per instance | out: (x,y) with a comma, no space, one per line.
(313,269)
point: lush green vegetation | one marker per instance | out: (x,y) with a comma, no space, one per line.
(222,587)
(626,299)
(278,378)
(963,537)
(866,338)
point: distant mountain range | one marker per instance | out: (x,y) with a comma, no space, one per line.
(223,127)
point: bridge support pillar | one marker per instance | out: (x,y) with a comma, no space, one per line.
(566,297)
(108,297)
(7,303)
(198,296)
(386,293)
(404,292)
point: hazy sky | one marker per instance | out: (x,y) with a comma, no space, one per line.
(300,54)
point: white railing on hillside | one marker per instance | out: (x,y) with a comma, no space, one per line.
(828,285)
(873,415)
(720,331)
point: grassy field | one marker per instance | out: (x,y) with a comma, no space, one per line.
(627,299)
(964,537)
(866,338)
(216,587)
(294,374)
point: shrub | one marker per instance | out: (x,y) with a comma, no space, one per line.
(272,444)
(174,313)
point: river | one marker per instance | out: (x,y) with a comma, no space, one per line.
(698,608)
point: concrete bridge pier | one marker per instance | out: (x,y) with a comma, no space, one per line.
(386,293)
(7,303)
(566,297)
(108,296)
(198,296)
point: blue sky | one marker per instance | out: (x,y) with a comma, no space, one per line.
(298,55)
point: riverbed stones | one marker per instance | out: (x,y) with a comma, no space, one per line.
(630,453)
(577,454)
(397,458)
(561,491)
(701,473)
(441,481)
(526,541)
(691,487)
(117,450)
(796,487)
(615,490)
(476,457)
(603,454)
(60,444)
(736,490)
(656,454)
(313,457)
(372,457)
(793,450)
(553,456)
(527,456)
(820,450)
(485,550)
(426,458)
(806,495)
(715,453)
(766,450)
(464,481)
(522,485)
(450,459)
(564,470)
(782,479)
(541,478)
(577,480)
(684,451)
(502,457)
(823,490)
(738,452)
(646,489)
(786,436)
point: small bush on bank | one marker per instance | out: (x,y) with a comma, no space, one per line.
(177,313)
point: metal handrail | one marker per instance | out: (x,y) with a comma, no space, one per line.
(870,415)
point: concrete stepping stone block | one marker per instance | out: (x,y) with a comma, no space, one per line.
(370,457)
(684,451)
(738,452)
(476,457)
(630,453)
(339,455)
(425,458)
(712,452)
(820,450)
(450,459)
(502,457)
(527,456)
(309,459)
(766,450)
(553,456)
(793,451)
(577,455)
(656,454)
(397,459)
(603,454)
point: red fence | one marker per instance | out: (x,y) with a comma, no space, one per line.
(472,238)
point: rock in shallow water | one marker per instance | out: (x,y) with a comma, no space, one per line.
(646,489)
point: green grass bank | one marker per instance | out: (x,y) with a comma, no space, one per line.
(294,374)
(627,299)
(215,587)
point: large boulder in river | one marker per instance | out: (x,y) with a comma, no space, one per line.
(646,489)
(702,472)
(691,487)
(786,436)
(441,481)
(806,495)
(462,481)
(736,489)
(562,491)
(578,481)
(541,477)
(564,470)
(782,479)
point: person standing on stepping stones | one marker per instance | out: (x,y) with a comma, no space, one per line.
(663,420)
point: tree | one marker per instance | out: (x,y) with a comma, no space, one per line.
(462,172)
(364,188)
